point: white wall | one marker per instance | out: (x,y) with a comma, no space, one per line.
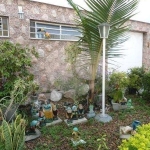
(132,54)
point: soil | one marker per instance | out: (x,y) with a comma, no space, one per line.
(92,130)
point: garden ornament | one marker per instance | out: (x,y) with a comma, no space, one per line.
(33,125)
(91,111)
(41,118)
(129,104)
(69,115)
(76,140)
(135,124)
(126,130)
(35,108)
(74,112)
(55,111)
(48,113)
(80,111)
(42,98)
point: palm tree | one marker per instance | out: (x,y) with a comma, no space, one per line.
(114,12)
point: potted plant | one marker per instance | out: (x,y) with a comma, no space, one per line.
(135,76)
(34,89)
(118,82)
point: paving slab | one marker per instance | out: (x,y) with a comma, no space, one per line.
(32,137)
(54,122)
(74,122)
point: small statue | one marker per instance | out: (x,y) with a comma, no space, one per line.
(135,124)
(80,111)
(33,125)
(74,112)
(69,115)
(42,99)
(41,117)
(48,113)
(55,111)
(129,104)
(76,140)
(126,130)
(76,134)
(35,109)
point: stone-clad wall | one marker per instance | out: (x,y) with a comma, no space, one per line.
(51,62)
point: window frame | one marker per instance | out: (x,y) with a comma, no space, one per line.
(60,31)
(1,29)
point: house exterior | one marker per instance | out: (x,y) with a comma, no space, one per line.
(57,20)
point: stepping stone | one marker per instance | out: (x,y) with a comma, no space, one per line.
(32,137)
(123,136)
(74,122)
(54,122)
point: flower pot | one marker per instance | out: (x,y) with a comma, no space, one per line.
(116,106)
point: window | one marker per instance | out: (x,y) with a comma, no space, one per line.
(4,27)
(57,31)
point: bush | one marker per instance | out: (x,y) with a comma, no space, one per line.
(15,61)
(118,82)
(135,76)
(146,86)
(140,141)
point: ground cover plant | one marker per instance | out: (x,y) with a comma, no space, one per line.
(58,137)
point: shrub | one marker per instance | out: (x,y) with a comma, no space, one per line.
(15,61)
(118,82)
(140,141)
(146,86)
(135,76)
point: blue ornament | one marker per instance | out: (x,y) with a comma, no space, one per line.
(34,123)
(135,124)
(75,129)
(47,106)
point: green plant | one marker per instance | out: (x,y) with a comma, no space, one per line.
(135,76)
(102,143)
(34,87)
(12,135)
(113,12)
(146,86)
(15,61)
(118,82)
(140,141)
(21,91)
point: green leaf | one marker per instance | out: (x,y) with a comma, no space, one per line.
(7,135)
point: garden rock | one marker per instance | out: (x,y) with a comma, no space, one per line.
(69,94)
(55,95)
(42,98)
(84,89)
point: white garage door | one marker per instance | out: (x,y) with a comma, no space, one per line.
(132,54)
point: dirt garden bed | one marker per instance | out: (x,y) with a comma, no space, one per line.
(58,137)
